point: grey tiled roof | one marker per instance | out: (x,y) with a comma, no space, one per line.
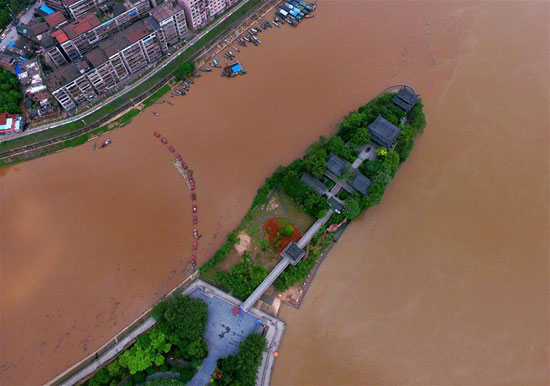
(383,132)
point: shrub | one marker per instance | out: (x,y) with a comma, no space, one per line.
(287,230)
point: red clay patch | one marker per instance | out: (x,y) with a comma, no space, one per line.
(274,225)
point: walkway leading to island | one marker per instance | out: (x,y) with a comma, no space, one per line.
(302,243)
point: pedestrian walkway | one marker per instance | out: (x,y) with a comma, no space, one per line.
(305,239)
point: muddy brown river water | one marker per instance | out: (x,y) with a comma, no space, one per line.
(445,282)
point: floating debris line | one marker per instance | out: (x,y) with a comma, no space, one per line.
(187,175)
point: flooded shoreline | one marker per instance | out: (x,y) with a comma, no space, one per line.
(435,285)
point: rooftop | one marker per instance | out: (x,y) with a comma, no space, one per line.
(383,132)
(314,183)
(62,76)
(361,183)
(166,10)
(96,57)
(137,31)
(32,29)
(71,2)
(55,19)
(82,25)
(336,164)
(405,99)
(60,36)
(293,252)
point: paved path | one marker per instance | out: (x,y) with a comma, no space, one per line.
(306,238)
(280,267)
(264,285)
(302,243)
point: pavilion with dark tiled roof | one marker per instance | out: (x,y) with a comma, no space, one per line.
(293,252)
(405,99)
(314,184)
(336,165)
(361,183)
(383,132)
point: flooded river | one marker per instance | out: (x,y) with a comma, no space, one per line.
(444,282)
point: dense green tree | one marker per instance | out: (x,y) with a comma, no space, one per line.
(149,349)
(102,377)
(10,96)
(360,137)
(184,69)
(243,278)
(316,162)
(241,369)
(351,123)
(351,208)
(10,7)
(337,146)
(183,320)
(405,142)
(376,191)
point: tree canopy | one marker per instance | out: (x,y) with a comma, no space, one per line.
(243,278)
(184,69)
(149,349)
(6,9)
(241,369)
(351,208)
(10,96)
(360,137)
(183,320)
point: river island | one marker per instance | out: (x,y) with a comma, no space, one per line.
(223,329)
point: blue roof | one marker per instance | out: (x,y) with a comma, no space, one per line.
(47,10)
(18,69)
(12,44)
(236,67)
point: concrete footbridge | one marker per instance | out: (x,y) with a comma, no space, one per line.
(292,254)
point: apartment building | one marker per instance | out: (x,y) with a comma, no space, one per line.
(169,20)
(200,12)
(114,60)
(82,35)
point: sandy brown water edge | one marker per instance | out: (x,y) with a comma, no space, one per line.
(444,282)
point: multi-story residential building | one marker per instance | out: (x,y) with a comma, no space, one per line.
(169,21)
(195,12)
(200,12)
(101,69)
(77,8)
(80,36)
(57,5)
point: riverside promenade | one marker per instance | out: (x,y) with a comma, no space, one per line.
(224,332)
